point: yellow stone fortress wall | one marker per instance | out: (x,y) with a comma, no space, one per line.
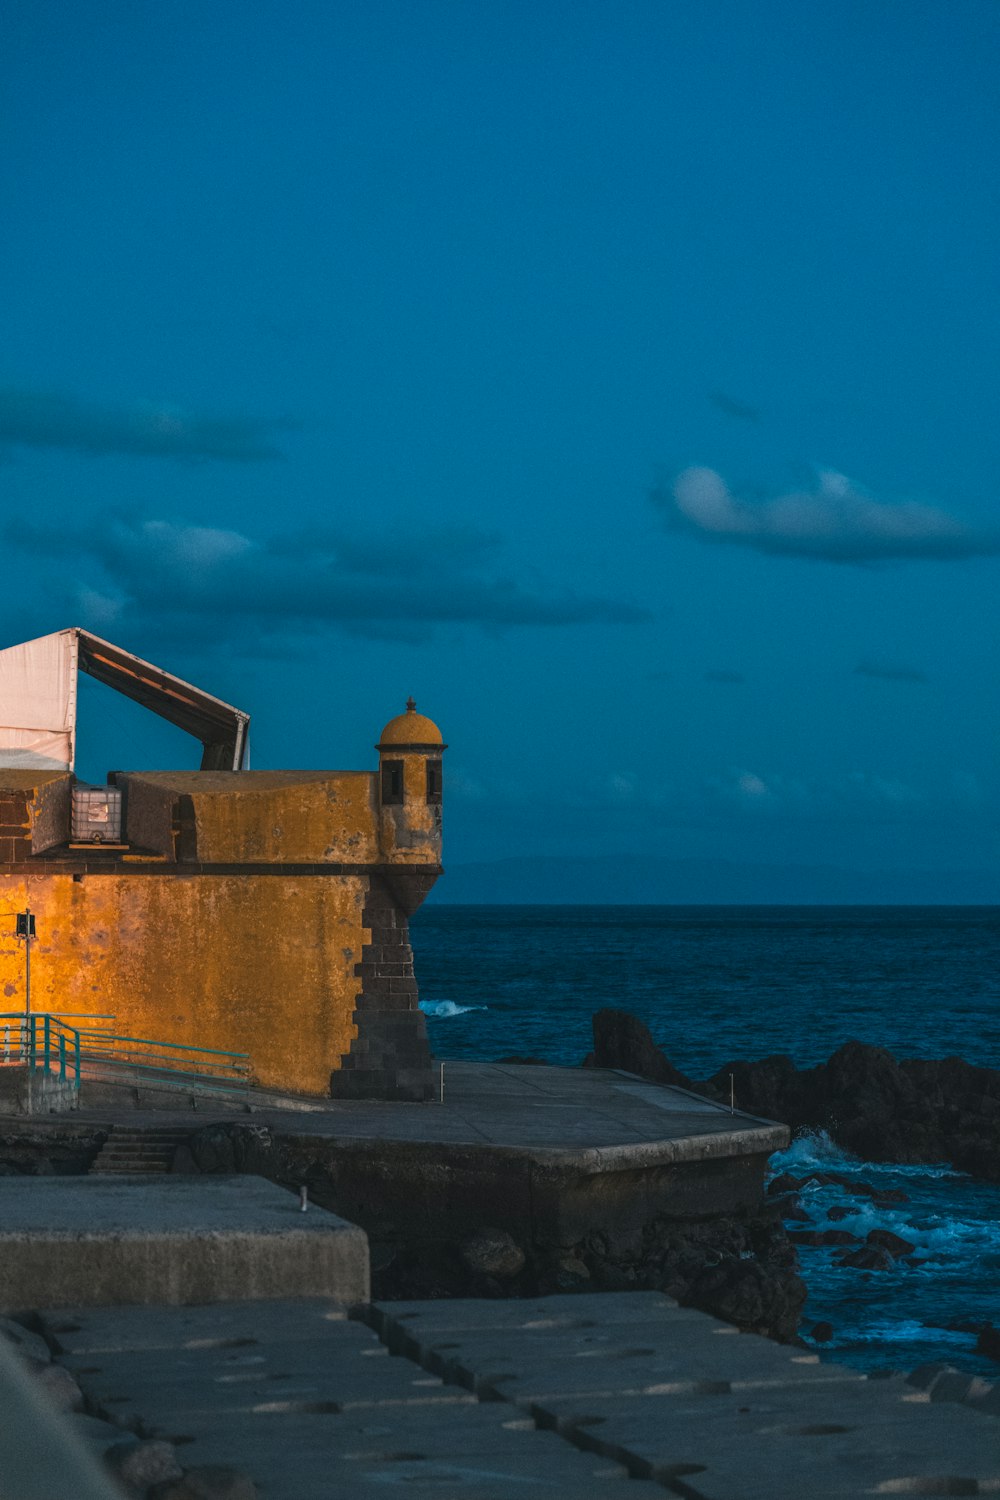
(254,911)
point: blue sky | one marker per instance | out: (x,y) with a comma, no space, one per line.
(619,380)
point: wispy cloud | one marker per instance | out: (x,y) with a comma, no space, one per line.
(782,795)
(889,672)
(218,584)
(734,408)
(836,521)
(38,419)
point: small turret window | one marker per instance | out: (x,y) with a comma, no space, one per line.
(392,782)
(434,781)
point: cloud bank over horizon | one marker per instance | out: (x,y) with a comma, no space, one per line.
(207,582)
(47,419)
(836,521)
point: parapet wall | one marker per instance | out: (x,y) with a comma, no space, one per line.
(236,914)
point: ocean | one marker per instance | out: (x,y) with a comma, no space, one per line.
(716,984)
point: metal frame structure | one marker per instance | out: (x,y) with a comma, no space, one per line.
(221,728)
(38,701)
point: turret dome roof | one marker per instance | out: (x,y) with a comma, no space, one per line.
(411,728)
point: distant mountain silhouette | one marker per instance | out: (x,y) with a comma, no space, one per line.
(642,880)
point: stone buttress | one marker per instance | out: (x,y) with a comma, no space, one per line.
(390,1057)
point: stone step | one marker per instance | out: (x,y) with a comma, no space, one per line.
(134,1163)
(143,1142)
(129,1169)
(108,1156)
(138,1148)
(129,1149)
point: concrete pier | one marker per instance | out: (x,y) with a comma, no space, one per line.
(93,1240)
(555,1153)
(575,1173)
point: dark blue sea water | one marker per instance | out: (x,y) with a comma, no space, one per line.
(720,983)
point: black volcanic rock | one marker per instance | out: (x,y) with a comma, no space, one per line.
(623,1041)
(894,1243)
(875,1106)
(915,1110)
(869,1258)
(988,1342)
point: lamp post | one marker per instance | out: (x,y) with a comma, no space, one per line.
(26,930)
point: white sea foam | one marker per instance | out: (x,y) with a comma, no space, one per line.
(814,1149)
(447,1008)
(947,1234)
(900,1331)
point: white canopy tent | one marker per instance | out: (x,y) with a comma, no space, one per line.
(38,702)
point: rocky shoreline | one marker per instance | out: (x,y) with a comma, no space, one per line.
(912,1110)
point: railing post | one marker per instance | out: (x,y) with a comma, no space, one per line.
(76,1054)
(31,1041)
(6,1043)
(62,1058)
(46,1034)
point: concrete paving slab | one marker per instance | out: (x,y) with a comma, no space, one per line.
(291,1358)
(585,1309)
(292,1470)
(313,1405)
(91,1240)
(569,1152)
(726,1416)
(195,1406)
(698,1363)
(220,1326)
(785,1447)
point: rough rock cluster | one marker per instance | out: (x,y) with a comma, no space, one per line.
(143,1468)
(870,1103)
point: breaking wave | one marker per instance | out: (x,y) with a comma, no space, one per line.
(447,1008)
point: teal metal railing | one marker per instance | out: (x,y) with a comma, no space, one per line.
(46,1043)
(152,1058)
(43,1041)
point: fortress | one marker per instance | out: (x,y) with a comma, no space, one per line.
(255,911)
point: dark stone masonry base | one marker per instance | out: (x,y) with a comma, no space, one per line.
(390,1058)
(741,1270)
(408,1085)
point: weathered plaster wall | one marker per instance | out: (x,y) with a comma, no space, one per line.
(263,963)
(271,817)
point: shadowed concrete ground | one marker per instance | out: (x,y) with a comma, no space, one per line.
(569,1163)
(526,1108)
(557,1397)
